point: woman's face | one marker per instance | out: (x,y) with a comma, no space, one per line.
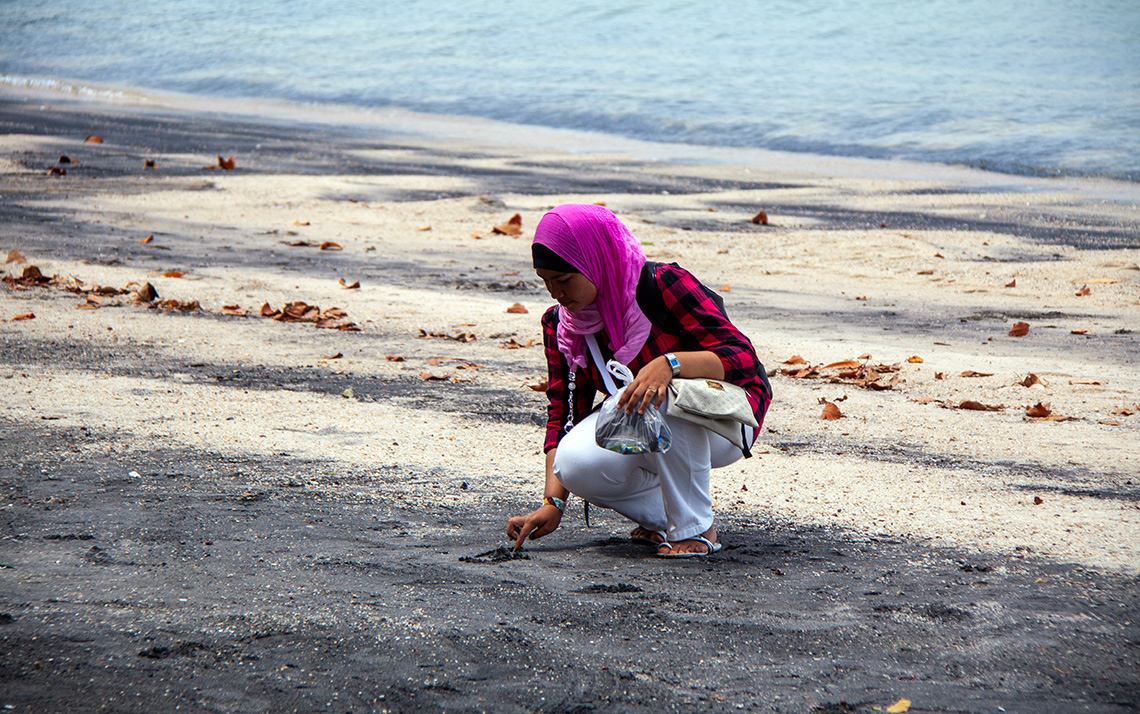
(572,290)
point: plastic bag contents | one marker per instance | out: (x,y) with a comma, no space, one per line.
(631,433)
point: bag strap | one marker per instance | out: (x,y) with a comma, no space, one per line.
(596,351)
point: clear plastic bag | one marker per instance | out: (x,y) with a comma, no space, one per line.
(631,433)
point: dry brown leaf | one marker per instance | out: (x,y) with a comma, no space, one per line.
(830,411)
(300,244)
(760,219)
(394,358)
(540,386)
(24,316)
(15,256)
(424,228)
(56,171)
(146,293)
(1019,329)
(899,707)
(940,375)
(1052,417)
(914,360)
(329,245)
(173,274)
(1123,411)
(227,164)
(517,309)
(972,373)
(1084,291)
(429,377)
(513,344)
(299,222)
(795,359)
(1031,380)
(1108,422)
(349,286)
(979,407)
(93,139)
(146,240)
(1012,283)
(845,364)
(926,272)
(1093,382)
(513,227)
(1102,281)
(267,311)
(939,255)
(65,159)
(1081,331)
(149,164)
(1039,410)
(338,355)
(233,311)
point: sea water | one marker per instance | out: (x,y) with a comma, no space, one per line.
(1043,87)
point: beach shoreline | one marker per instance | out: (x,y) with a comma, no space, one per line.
(144,439)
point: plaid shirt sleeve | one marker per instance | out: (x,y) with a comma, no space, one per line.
(707,328)
(558,389)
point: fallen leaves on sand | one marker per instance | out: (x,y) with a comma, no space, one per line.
(1108,422)
(1019,329)
(1032,380)
(1038,410)
(458,337)
(726,288)
(233,311)
(24,316)
(299,222)
(513,226)
(830,411)
(56,171)
(1092,382)
(795,359)
(300,311)
(224,164)
(15,256)
(149,164)
(914,360)
(926,272)
(760,219)
(1102,281)
(430,377)
(424,228)
(329,245)
(852,372)
(1123,411)
(93,139)
(268,311)
(338,355)
(1012,283)
(899,707)
(540,386)
(972,405)
(65,159)
(146,240)
(173,274)
(972,373)
(1085,290)
(513,344)
(517,309)
(31,277)
(176,305)
(349,286)
(394,358)
(1081,331)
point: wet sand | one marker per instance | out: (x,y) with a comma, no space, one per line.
(214,511)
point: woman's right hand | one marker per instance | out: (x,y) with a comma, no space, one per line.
(537,524)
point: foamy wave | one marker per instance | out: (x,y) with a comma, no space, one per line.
(60,86)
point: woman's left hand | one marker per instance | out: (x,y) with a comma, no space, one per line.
(648,387)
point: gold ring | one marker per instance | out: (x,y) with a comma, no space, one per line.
(652,389)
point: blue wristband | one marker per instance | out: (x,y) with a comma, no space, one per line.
(556,502)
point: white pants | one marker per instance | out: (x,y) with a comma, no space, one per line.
(662,492)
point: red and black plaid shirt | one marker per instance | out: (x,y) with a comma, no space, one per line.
(704,328)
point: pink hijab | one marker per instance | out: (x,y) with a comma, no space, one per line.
(594,241)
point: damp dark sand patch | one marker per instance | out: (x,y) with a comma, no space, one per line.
(303,597)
